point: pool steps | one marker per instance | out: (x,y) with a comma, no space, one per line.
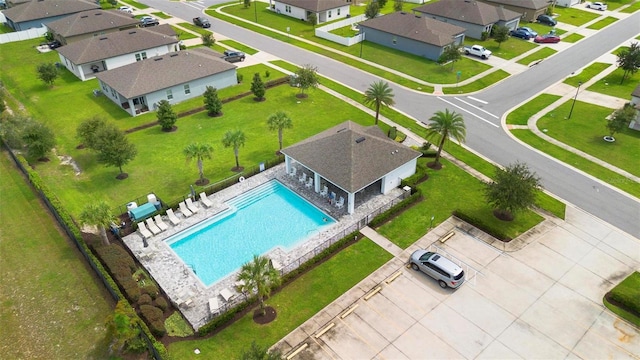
(246,199)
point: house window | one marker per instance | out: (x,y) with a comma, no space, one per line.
(329,13)
(141,56)
(187,91)
(169,95)
(287,8)
(338,11)
(395,40)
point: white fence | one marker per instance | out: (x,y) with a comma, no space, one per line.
(323,32)
(23,35)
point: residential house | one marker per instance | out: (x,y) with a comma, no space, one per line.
(325,10)
(36,13)
(475,17)
(411,33)
(351,160)
(175,76)
(90,23)
(530,9)
(567,3)
(85,58)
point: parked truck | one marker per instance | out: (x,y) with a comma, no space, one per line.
(202,22)
(477,50)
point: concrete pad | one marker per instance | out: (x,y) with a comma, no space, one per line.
(365,331)
(416,300)
(587,223)
(475,250)
(554,323)
(521,275)
(420,343)
(385,316)
(566,243)
(622,248)
(344,341)
(592,346)
(315,351)
(605,266)
(586,283)
(392,352)
(575,306)
(455,330)
(545,260)
(497,350)
(618,332)
(530,343)
(581,234)
(503,293)
(481,311)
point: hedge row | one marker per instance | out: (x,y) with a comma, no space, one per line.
(121,267)
(627,294)
(492,230)
(155,319)
(405,203)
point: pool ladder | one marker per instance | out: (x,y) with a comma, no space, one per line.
(188,267)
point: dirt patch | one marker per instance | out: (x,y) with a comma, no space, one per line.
(268,316)
(68,160)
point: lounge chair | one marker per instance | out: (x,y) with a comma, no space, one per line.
(152,226)
(325,191)
(275,265)
(192,207)
(172,217)
(214,305)
(293,172)
(183,208)
(143,231)
(205,200)
(340,203)
(303,178)
(160,223)
(309,183)
(226,294)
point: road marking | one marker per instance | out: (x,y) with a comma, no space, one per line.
(477,108)
(465,110)
(200,7)
(478,100)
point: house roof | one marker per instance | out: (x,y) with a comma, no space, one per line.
(351,156)
(36,9)
(527,4)
(315,5)
(468,11)
(162,72)
(415,27)
(91,21)
(114,44)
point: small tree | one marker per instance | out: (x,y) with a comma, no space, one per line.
(199,152)
(3,105)
(247,3)
(39,140)
(12,127)
(260,276)
(166,116)
(381,4)
(398,5)
(234,139)
(379,94)
(257,87)
(621,119)
(207,39)
(451,54)
(279,121)
(98,214)
(123,329)
(212,101)
(48,73)
(500,34)
(256,352)
(307,78)
(87,130)
(114,149)
(372,10)
(629,60)
(442,125)
(312,19)
(514,189)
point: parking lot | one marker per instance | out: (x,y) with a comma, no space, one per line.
(541,299)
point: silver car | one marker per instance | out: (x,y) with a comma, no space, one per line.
(438,267)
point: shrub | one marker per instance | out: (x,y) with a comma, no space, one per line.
(392,133)
(387,215)
(484,36)
(480,224)
(161,303)
(151,290)
(627,294)
(240,77)
(154,318)
(145,299)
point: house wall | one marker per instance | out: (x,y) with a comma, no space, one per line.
(428,51)
(17,26)
(567,3)
(392,179)
(323,16)
(473,30)
(294,12)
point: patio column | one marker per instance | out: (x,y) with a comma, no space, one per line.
(287,164)
(351,200)
(316,182)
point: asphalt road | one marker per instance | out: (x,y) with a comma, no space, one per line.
(484,133)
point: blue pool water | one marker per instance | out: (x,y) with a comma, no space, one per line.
(266,217)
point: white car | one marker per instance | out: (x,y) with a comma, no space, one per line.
(597,6)
(127,9)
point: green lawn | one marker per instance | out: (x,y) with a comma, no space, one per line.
(632,8)
(183,34)
(135,4)
(584,131)
(615,4)
(161,15)
(541,54)
(477,85)
(507,50)
(345,31)
(293,304)
(610,85)
(52,305)
(572,38)
(626,293)
(574,16)
(586,74)
(4,29)
(196,29)
(602,23)
(521,115)
(236,45)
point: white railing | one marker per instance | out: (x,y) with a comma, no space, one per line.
(23,35)
(324,31)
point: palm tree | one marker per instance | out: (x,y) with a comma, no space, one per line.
(279,121)
(260,276)
(199,152)
(98,214)
(379,93)
(445,124)
(234,139)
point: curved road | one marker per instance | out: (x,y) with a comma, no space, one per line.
(484,132)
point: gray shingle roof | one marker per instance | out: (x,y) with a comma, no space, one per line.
(35,9)
(162,72)
(91,21)
(351,156)
(527,4)
(469,11)
(315,5)
(415,27)
(114,44)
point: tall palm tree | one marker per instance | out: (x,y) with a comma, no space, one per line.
(445,124)
(199,152)
(98,214)
(279,121)
(379,93)
(259,276)
(234,139)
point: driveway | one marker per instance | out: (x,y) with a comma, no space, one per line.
(541,300)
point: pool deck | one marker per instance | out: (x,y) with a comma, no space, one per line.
(184,288)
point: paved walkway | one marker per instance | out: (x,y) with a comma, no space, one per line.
(382,241)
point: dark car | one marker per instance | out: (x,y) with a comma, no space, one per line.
(547,38)
(547,20)
(54,44)
(529,31)
(519,33)
(202,22)
(149,21)
(233,56)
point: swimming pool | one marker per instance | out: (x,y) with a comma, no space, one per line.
(257,221)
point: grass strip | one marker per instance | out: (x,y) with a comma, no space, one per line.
(196,29)
(521,115)
(182,34)
(602,23)
(572,38)
(477,85)
(161,15)
(238,46)
(586,74)
(631,8)
(135,4)
(539,55)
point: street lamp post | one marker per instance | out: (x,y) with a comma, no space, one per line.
(255,9)
(574,99)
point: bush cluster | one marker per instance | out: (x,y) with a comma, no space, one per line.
(490,229)
(385,216)
(154,317)
(121,267)
(145,299)
(415,179)
(161,303)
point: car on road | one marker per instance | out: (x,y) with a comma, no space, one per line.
(519,33)
(547,20)
(597,6)
(127,9)
(448,273)
(547,39)
(149,21)
(529,30)
(202,22)
(233,56)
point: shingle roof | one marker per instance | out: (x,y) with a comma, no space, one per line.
(35,9)
(315,5)
(162,72)
(114,44)
(469,11)
(415,27)
(91,21)
(527,4)
(351,156)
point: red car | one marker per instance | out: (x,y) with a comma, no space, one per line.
(548,38)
